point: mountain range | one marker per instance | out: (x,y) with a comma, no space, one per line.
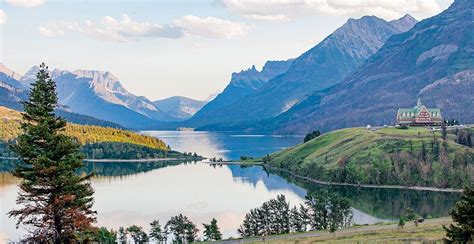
(255,95)
(92,96)
(360,74)
(178,107)
(433,61)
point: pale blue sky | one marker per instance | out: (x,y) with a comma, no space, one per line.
(165,48)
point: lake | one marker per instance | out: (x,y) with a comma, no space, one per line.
(137,193)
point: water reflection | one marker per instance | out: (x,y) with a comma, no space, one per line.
(387,203)
(137,193)
(222,145)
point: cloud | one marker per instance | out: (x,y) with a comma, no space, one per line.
(125,29)
(284,10)
(211,27)
(3,17)
(25,3)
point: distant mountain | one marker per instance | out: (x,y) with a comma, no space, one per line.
(322,66)
(11,97)
(242,84)
(179,108)
(404,24)
(101,95)
(10,77)
(85,120)
(433,61)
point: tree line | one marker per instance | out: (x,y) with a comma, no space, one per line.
(117,150)
(10,129)
(442,160)
(178,229)
(324,211)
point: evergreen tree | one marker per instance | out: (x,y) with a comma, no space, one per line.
(444,131)
(423,151)
(182,228)
(55,202)
(462,231)
(296,222)
(137,234)
(211,231)
(106,236)
(329,212)
(156,233)
(305,216)
(401,222)
(311,136)
(122,235)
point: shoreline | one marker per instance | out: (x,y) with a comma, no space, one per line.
(416,188)
(143,160)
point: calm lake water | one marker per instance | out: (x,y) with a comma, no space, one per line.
(137,193)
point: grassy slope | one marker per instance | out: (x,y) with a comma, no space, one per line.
(362,150)
(429,231)
(10,122)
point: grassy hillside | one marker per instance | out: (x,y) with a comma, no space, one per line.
(430,231)
(390,156)
(85,134)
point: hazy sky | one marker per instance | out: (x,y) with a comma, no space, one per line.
(190,48)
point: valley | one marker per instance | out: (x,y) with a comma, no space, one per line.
(333,121)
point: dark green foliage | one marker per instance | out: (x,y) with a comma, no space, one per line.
(122,235)
(156,233)
(323,212)
(183,229)
(451,122)
(86,120)
(273,217)
(106,236)
(115,150)
(401,222)
(465,137)
(462,231)
(300,218)
(311,135)
(329,212)
(5,150)
(444,131)
(266,159)
(118,150)
(211,231)
(243,158)
(354,156)
(93,235)
(137,234)
(410,214)
(55,202)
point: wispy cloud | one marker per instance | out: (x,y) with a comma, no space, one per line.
(3,17)
(125,29)
(25,3)
(284,10)
(210,27)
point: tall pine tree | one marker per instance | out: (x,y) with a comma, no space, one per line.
(54,203)
(211,231)
(462,230)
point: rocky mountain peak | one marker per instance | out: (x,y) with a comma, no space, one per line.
(4,69)
(30,75)
(404,23)
(101,79)
(254,79)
